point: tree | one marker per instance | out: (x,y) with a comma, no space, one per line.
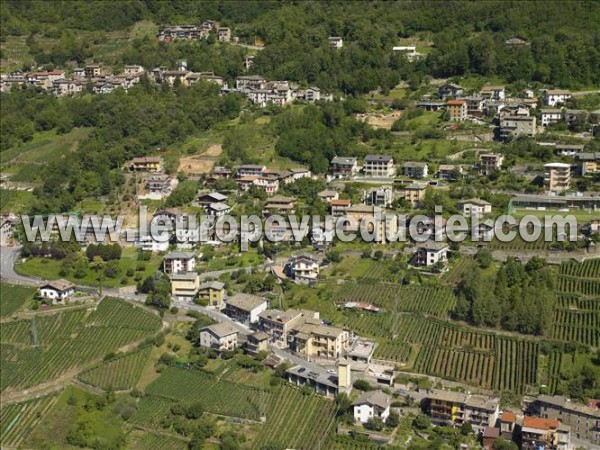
(466,429)
(484,258)
(393,420)
(97,265)
(421,422)
(194,411)
(375,424)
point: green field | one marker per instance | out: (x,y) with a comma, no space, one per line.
(47,345)
(119,374)
(146,440)
(19,419)
(13,298)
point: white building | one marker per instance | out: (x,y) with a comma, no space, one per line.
(148,244)
(372,404)
(58,290)
(413,169)
(474,207)
(303,267)
(336,42)
(220,336)
(430,253)
(550,115)
(245,308)
(553,97)
(379,166)
(179,262)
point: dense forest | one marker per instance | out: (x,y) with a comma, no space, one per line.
(461,38)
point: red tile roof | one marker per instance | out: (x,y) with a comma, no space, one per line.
(340,202)
(540,423)
(455,102)
(508,417)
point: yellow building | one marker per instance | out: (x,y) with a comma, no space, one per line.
(413,193)
(312,338)
(213,292)
(147,164)
(185,285)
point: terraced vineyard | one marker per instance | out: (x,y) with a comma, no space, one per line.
(19,419)
(42,348)
(295,420)
(150,410)
(146,440)
(580,278)
(219,397)
(13,297)
(119,374)
(435,301)
(577,319)
(450,351)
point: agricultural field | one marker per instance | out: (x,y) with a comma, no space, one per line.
(150,410)
(118,374)
(434,301)
(296,420)
(580,278)
(219,397)
(13,298)
(19,419)
(577,319)
(146,440)
(47,345)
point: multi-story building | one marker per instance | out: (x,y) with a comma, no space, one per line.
(343,167)
(430,253)
(450,172)
(457,408)
(280,205)
(220,336)
(381,196)
(539,433)
(414,169)
(250,170)
(245,308)
(553,97)
(549,116)
(450,90)
(312,338)
(257,342)
(179,262)
(490,162)
(493,92)
(474,207)
(213,292)
(184,285)
(303,267)
(335,42)
(146,164)
(568,149)
(588,163)
(372,404)
(557,176)
(379,166)
(277,324)
(517,126)
(247,82)
(413,193)
(374,220)
(583,420)
(457,109)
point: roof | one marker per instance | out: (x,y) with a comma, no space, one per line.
(557,166)
(219,206)
(491,432)
(59,285)
(217,196)
(259,336)
(491,88)
(557,92)
(280,199)
(474,201)
(327,193)
(540,423)
(245,302)
(340,202)
(180,255)
(303,256)
(343,160)
(433,245)
(280,316)
(320,378)
(378,158)
(414,164)
(184,276)
(374,398)
(147,159)
(456,102)
(508,416)
(221,329)
(565,403)
(217,285)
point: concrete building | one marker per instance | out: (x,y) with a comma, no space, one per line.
(245,308)
(490,162)
(381,196)
(343,167)
(176,262)
(146,164)
(185,285)
(557,177)
(213,292)
(430,253)
(370,405)
(303,267)
(335,42)
(220,336)
(257,342)
(457,110)
(553,97)
(474,207)
(312,338)
(414,169)
(379,166)
(538,433)
(588,163)
(413,193)
(549,116)
(517,126)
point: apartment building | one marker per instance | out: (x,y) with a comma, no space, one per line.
(457,110)
(413,193)
(303,267)
(184,285)
(515,125)
(553,97)
(557,176)
(213,292)
(277,324)
(549,116)
(414,169)
(474,207)
(245,308)
(547,434)
(176,262)
(343,167)
(430,253)
(312,338)
(146,164)
(588,163)
(490,162)
(220,336)
(379,166)
(381,196)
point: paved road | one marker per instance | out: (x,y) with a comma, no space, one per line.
(9,256)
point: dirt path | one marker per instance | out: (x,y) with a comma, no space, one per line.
(203,163)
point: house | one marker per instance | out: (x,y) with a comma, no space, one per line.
(413,193)
(224,34)
(548,116)
(322,382)
(517,125)
(493,92)
(303,267)
(414,169)
(339,207)
(583,420)
(588,163)
(249,61)
(146,164)
(213,292)
(448,408)
(245,308)
(553,97)
(257,342)
(159,183)
(528,93)
(184,285)
(430,253)
(508,420)
(148,244)
(321,238)
(475,105)
(557,177)
(250,170)
(58,290)
(483,231)
(381,196)
(489,437)
(218,209)
(92,71)
(296,174)
(179,262)
(382,226)
(219,172)
(449,172)
(457,110)
(362,351)
(220,336)
(430,106)
(379,166)
(372,404)
(474,207)
(409,51)
(65,87)
(450,90)
(270,184)
(211,197)
(247,82)
(313,339)
(539,433)
(280,205)
(490,162)
(568,149)
(312,94)
(335,42)
(328,195)
(343,167)
(133,69)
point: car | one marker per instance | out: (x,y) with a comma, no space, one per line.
(331,371)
